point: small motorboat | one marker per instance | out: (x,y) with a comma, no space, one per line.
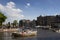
(24,33)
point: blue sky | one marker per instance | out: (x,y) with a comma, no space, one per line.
(31,9)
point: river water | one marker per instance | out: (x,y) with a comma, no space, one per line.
(41,35)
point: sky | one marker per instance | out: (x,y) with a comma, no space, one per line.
(28,9)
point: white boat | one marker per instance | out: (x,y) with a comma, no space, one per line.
(24,33)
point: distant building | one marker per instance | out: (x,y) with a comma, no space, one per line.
(24,23)
(33,23)
(48,20)
(55,24)
(27,23)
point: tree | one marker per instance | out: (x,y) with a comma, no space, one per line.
(15,23)
(2,18)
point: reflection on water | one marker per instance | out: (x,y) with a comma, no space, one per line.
(1,36)
(7,36)
(41,35)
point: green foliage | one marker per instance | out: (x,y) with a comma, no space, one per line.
(15,22)
(2,18)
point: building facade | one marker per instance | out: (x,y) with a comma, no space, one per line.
(24,23)
(48,20)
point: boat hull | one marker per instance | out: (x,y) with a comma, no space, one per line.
(24,35)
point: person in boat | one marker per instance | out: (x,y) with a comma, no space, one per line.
(28,31)
(24,32)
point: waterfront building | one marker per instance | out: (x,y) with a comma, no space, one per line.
(33,23)
(48,20)
(24,23)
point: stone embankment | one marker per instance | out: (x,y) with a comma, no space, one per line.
(9,30)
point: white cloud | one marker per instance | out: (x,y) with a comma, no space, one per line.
(10,5)
(28,5)
(11,11)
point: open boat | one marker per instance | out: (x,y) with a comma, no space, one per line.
(24,33)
